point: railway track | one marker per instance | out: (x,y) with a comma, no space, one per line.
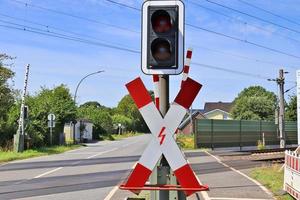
(267,155)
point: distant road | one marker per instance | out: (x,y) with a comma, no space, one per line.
(87,173)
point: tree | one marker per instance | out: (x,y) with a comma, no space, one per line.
(291,109)
(254,103)
(127,107)
(121,119)
(92,103)
(57,101)
(100,117)
(6,99)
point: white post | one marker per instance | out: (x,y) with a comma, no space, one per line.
(19,138)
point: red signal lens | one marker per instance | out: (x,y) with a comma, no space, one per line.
(161,50)
(161,21)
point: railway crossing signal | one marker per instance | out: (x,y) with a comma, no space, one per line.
(163,37)
(162,130)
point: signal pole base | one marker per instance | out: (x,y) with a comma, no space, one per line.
(18,143)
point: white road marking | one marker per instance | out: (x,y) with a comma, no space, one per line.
(111,193)
(204,194)
(224,198)
(100,153)
(241,173)
(49,172)
(115,189)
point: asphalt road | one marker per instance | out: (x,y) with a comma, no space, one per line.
(87,173)
(94,172)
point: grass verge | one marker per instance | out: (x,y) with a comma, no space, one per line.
(113,137)
(272,179)
(185,141)
(6,156)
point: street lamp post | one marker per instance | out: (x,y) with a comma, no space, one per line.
(75,95)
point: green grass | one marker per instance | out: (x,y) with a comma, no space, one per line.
(185,141)
(6,156)
(272,179)
(113,137)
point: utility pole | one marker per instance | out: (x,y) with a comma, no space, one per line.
(280,82)
(20,136)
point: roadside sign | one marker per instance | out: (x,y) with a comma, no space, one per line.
(162,130)
(51,124)
(51,117)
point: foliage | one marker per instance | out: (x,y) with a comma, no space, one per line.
(113,137)
(260,145)
(121,119)
(6,156)
(272,179)
(127,107)
(57,101)
(254,103)
(291,109)
(186,141)
(6,99)
(100,117)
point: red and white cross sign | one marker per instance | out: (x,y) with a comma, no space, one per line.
(162,130)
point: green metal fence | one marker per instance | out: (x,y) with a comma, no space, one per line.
(238,133)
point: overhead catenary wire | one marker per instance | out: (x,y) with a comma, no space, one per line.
(133,51)
(242,56)
(253,16)
(123,5)
(234,38)
(244,41)
(88,36)
(231,71)
(21,27)
(257,76)
(269,12)
(243,22)
(74,16)
(91,37)
(48,27)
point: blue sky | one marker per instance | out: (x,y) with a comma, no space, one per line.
(55,61)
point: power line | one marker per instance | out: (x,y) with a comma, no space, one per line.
(88,42)
(241,56)
(244,41)
(231,37)
(252,16)
(55,28)
(231,71)
(74,16)
(290,88)
(243,21)
(88,36)
(269,12)
(122,4)
(62,36)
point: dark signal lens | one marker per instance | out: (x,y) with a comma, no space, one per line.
(161,50)
(161,21)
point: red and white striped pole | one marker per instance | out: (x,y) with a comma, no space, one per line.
(187,64)
(156,90)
